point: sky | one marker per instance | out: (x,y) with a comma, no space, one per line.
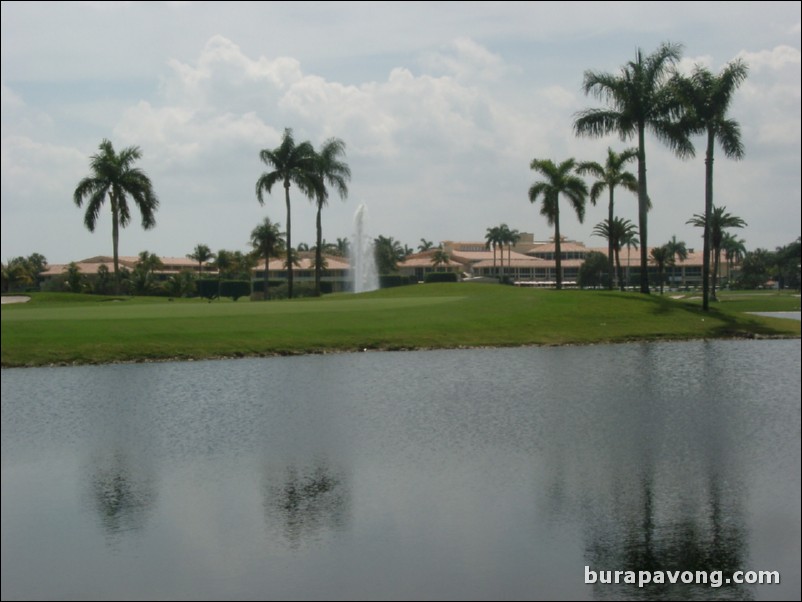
(442,107)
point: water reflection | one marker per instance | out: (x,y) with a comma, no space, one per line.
(121,492)
(304,502)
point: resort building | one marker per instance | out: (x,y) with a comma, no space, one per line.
(526,263)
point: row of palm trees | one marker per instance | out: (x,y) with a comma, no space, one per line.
(648,94)
(312,172)
(114,177)
(497,237)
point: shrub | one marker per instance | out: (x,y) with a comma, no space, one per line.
(391,280)
(440,277)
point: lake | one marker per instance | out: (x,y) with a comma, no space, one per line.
(474,474)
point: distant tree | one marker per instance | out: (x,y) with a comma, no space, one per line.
(757,268)
(662,257)
(609,176)
(593,271)
(202,253)
(493,240)
(342,247)
(617,233)
(425,245)
(706,99)
(104,282)
(787,261)
(734,250)
(114,176)
(639,99)
(75,279)
(291,163)
(560,179)
(334,172)
(440,257)
(267,240)
(388,252)
(678,251)
(181,284)
(718,221)
(16,274)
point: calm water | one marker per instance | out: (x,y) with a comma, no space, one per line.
(447,474)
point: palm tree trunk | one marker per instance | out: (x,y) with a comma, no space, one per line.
(708,213)
(558,247)
(289,241)
(267,277)
(115,240)
(610,240)
(618,264)
(716,262)
(318,251)
(643,205)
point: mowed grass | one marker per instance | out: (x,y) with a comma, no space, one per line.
(67,329)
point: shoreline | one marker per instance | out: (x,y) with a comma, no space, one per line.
(390,349)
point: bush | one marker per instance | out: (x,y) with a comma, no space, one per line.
(391,280)
(440,277)
(208,288)
(235,288)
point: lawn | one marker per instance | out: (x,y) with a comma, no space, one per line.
(73,329)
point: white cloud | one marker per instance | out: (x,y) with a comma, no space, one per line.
(774,59)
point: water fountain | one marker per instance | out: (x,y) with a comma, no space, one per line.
(363,262)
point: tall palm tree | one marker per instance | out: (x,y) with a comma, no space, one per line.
(609,176)
(640,100)
(202,253)
(706,99)
(291,163)
(493,239)
(267,240)
(115,177)
(679,251)
(719,221)
(617,232)
(333,171)
(560,179)
(662,257)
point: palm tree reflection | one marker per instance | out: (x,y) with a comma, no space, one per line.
(121,493)
(305,502)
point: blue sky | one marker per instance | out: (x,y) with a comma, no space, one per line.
(442,107)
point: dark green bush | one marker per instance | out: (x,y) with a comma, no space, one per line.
(440,277)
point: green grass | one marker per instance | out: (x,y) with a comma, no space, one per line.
(68,329)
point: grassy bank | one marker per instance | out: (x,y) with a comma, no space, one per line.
(60,328)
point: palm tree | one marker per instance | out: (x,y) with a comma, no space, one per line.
(734,250)
(508,237)
(342,247)
(425,245)
(388,252)
(291,163)
(679,251)
(493,239)
(662,257)
(440,257)
(332,170)
(202,253)
(718,222)
(113,175)
(706,98)
(267,240)
(630,241)
(560,179)
(608,176)
(639,100)
(617,232)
